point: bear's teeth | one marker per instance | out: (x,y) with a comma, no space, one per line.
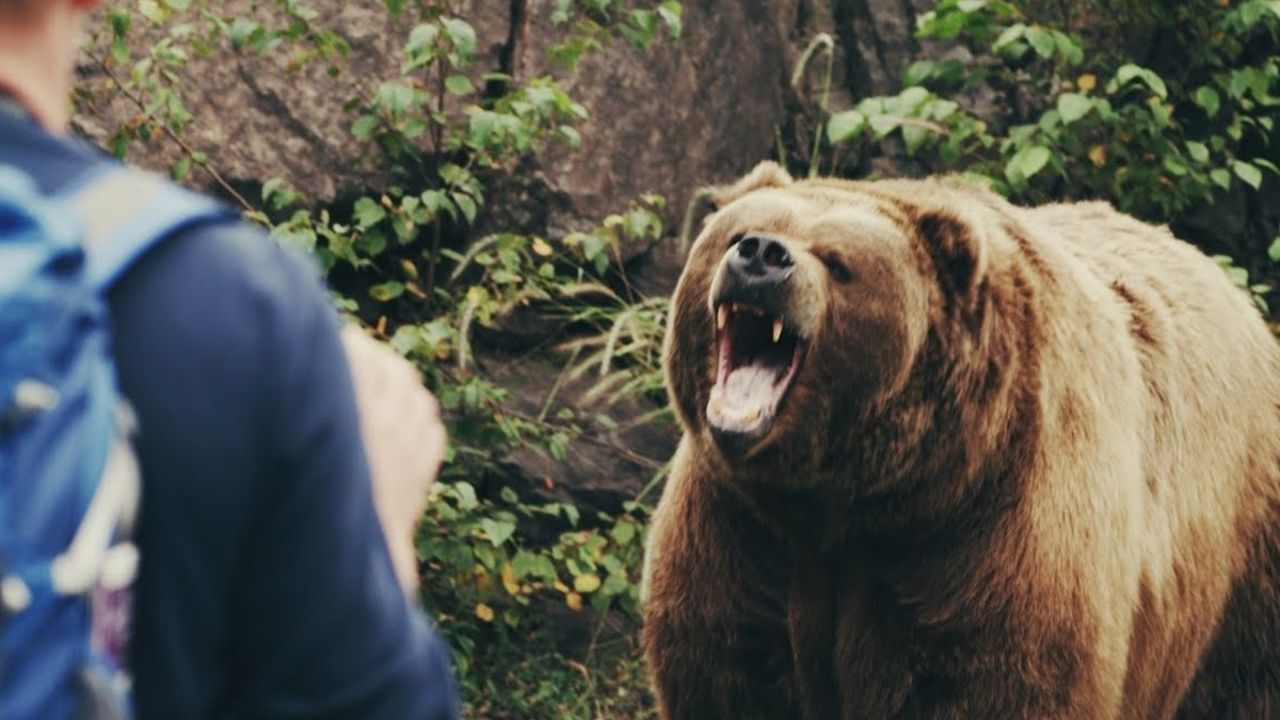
(752,415)
(722,316)
(777,330)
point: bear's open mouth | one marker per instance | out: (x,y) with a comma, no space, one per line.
(758,357)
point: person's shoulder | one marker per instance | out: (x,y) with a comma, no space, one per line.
(53,162)
(223,294)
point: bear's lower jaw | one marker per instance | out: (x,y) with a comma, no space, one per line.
(745,402)
(757,358)
(734,445)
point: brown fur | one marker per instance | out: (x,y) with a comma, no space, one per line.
(1029,468)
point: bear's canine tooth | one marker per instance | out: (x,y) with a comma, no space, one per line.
(722,316)
(777,330)
(752,415)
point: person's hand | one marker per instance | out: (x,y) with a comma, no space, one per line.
(404,441)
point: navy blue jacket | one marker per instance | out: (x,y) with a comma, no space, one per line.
(266,589)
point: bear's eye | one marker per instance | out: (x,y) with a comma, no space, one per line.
(837,269)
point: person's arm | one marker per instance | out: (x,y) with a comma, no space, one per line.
(404,441)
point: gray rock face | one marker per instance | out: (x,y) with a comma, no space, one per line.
(255,116)
(699,110)
(664,121)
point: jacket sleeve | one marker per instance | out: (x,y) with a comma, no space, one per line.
(266,590)
(326,629)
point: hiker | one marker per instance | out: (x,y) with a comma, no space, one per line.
(266,585)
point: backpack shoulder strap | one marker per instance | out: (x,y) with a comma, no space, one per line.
(125,212)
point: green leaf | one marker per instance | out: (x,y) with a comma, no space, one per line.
(918,72)
(1221,177)
(394,6)
(1130,72)
(240,31)
(1010,34)
(395,97)
(571,136)
(671,12)
(498,531)
(1274,251)
(624,531)
(387,291)
(466,204)
(910,100)
(368,213)
(586,583)
(271,187)
(466,495)
(1073,106)
(459,85)
(914,136)
(884,124)
(362,129)
(1250,174)
(614,585)
(482,126)
(1068,48)
(1041,41)
(120,20)
(120,49)
(1199,152)
(1174,166)
(181,168)
(421,48)
(462,35)
(1031,160)
(845,125)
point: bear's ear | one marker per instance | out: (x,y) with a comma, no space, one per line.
(766,174)
(958,249)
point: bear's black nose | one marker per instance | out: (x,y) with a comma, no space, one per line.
(759,260)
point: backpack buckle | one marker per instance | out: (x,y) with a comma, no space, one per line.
(31,398)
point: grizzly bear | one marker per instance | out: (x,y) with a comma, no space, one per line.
(946,457)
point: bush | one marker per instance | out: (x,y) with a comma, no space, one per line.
(1072,120)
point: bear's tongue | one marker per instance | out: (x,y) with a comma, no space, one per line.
(749,390)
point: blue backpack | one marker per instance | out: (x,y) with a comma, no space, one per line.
(69,483)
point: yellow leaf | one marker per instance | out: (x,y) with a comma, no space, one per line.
(509,580)
(574,601)
(540,247)
(561,587)
(484,612)
(586,583)
(1098,155)
(1087,82)
(484,582)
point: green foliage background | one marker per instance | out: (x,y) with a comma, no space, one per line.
(1074,117)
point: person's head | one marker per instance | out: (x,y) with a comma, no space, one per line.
(38,42)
